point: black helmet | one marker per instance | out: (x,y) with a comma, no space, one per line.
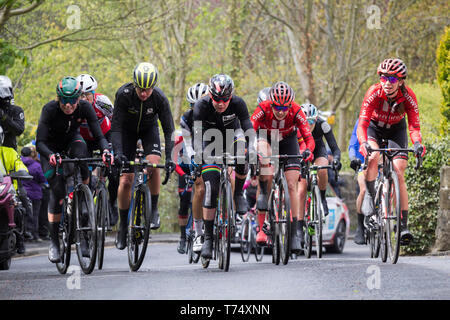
(221,87)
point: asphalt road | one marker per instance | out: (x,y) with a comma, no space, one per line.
(166,275)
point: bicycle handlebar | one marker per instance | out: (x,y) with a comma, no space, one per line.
(146,163)
(391,152)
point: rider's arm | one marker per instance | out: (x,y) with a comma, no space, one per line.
(43,132)
(412,110)
(331,140)
(353,148)
(165,116)
(119,115)
(199,117)
(302,125)
(368,105)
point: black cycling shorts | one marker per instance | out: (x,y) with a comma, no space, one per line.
(289,146)
(150,142)
(396,135)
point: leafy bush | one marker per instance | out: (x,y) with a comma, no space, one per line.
(423,190)
(443,76)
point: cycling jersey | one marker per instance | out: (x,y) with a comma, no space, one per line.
(56,129)
(103,108)
(234,117)
(381,110)
(137,118)
(323,129)
(263,118)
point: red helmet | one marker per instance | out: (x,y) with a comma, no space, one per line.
(395,67)
(281,94)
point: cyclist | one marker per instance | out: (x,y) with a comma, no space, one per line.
(356,161)
(184,151)
(280,114)
(223,112)
(382,115)
(58,132)
(319,129)
(137,108)
(103,108)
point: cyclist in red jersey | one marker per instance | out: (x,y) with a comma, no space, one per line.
(280,117)
(382,115)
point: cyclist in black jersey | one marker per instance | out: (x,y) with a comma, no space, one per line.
(137,108)
(225,114)
(58,132)
(319,129)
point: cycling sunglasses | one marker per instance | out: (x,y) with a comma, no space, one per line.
(391,79)
(280,108)
(311,121)
(223,99)
(68,100)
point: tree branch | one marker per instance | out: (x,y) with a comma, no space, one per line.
(17,12)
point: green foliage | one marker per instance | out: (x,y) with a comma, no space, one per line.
(443,76)
(9,54)
(423,191)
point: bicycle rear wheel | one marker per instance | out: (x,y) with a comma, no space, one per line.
(139,227)
(86,228)
(393,218)
(65,240)
(246,238)
(284,220)
(102,210)
(318,222)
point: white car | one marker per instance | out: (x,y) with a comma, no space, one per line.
(337,223)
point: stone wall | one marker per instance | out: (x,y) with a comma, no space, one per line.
(443,219)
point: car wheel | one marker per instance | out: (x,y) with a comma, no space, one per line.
(339,239)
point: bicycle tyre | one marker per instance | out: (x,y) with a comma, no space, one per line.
(259,250)
(84,195)
(309,224)
(276,257)
(393,222)
(284,221)
(65,240)
(383,241)
(318,217)
(102,209)
(246,239)
(190,252)
(139,227)
(229,225)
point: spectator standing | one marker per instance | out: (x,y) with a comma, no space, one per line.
(34,191)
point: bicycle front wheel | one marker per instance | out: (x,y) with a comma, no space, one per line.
(284,220)
(246,238)
(65,240)
(273,232)
(139,227)
(318,222)
(102,210)
(228,226)
(86,228)
(393,218)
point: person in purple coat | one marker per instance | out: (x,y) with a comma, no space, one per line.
(34,191)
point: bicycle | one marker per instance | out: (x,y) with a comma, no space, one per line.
(78,221)
(140,218)
(314,216)
(224,221)
(193,257)
(248,237)
(278,215)
(102,208)
(384,224)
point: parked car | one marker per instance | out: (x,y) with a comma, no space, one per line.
(337,223)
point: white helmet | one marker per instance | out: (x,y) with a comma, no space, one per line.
(263,95)
(310,112)
(196,92)
(88,82)
(6,90)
